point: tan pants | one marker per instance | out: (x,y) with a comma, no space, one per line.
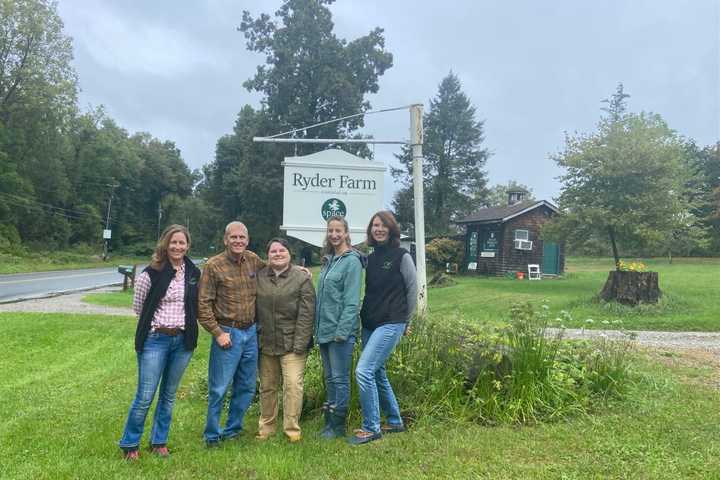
(290,370)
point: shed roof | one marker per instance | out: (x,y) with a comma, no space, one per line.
(503,214)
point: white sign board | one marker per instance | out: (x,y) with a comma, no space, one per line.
(487,254)
(107,234)
(327,183)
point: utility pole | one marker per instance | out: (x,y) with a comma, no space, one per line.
(416,142)
(159,218)
(107,232)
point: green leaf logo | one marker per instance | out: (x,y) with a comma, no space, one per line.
(333,207)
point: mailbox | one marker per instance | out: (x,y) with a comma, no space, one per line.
(128,273)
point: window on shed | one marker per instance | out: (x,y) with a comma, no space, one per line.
(522,235)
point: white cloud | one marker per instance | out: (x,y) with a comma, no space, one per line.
(117,43)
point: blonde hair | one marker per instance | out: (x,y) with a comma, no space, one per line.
(329,249)
(160,256)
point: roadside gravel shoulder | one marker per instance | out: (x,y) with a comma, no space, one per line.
(71,303)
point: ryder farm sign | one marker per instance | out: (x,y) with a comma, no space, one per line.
(328,183)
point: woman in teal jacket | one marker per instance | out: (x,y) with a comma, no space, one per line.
(336,321)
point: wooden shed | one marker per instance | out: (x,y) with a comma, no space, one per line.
(502,240)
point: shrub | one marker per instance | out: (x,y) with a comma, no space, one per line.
(441,251)
(522,373)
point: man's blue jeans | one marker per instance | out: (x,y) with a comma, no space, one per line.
(337,361)
(162,361)
(237,364)
(373,385)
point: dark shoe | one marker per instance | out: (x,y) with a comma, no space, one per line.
(327,429)
(161,451)
(212,443)
(336,429)
(390,428)
(361,437)
(132,455)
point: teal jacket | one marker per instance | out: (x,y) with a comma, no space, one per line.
(338,298)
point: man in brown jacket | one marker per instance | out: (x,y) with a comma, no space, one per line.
(226,309)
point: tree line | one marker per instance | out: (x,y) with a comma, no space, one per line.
(61,168)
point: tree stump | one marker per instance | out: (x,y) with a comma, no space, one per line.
(631,288)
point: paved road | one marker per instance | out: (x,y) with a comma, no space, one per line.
(36,285)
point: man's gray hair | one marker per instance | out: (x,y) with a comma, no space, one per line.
(234,224)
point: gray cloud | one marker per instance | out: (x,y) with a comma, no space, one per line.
(533,69)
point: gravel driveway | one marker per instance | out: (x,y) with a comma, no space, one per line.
(695,341)
(71,303)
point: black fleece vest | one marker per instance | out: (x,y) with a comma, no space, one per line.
(385,292)
(159,283)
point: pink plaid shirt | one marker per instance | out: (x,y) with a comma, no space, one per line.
(171,309)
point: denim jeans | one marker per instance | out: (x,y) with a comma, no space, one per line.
(337,361)
(373,385)
(162,361)
(237,364)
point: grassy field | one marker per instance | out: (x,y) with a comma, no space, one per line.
(68,381)
(47,261)
(691,289)
(110,299)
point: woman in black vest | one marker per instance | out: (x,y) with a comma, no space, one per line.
(165,301)
(390,298)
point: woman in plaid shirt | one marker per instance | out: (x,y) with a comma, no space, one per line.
(165,301)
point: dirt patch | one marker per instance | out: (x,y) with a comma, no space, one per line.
(695,366)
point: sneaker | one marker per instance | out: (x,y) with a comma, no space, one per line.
(161,451)
(262,436)
(362,437)
(392,428)
(132,455)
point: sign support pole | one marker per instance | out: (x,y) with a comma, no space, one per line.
(416,141)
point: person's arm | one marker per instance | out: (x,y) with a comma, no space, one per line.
(351,300)
(142,287)
(306,317)
(207,296)
(409,274)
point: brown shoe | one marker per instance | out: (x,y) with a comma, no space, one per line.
(294,438)
(263,436)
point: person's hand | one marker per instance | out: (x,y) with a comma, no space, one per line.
(306,271)
(407,331)
(340,339)
(224,340)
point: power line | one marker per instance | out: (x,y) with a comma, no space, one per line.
(64,211)
(347,117)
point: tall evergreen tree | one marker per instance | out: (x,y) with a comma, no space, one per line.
(309,76)
(454,179)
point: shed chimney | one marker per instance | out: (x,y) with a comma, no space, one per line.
(516,195)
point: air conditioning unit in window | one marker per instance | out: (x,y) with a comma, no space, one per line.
(523,244)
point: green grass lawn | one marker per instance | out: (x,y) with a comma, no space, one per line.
(48,261)
(68,381)
(110,299)
(691,288)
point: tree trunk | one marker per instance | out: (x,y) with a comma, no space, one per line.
(631,288)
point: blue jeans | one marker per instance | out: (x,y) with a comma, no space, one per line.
(337,361)
(373,385)
(162,361)
(237,364)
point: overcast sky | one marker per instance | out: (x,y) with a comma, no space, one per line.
(533,70)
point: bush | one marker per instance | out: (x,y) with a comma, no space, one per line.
(441,251)
(454,369)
